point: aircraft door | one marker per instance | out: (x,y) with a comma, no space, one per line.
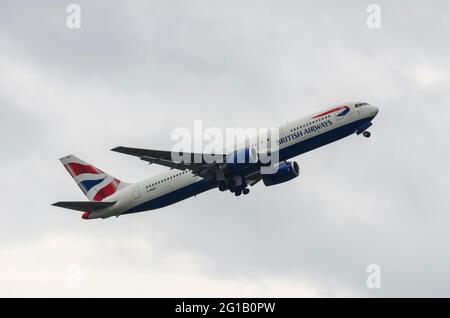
(281,134)
(136,192)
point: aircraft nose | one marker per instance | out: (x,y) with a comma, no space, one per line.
(373,111)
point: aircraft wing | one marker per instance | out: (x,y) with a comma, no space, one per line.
(195,161)
(253,178)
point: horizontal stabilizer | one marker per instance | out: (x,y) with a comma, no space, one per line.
(84,206)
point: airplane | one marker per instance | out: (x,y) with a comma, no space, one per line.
(109,196)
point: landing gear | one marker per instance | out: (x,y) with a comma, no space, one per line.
(366,134)
(244,191)
(235,185)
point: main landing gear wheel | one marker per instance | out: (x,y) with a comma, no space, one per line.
(366,134)
(237,193)
(246,191)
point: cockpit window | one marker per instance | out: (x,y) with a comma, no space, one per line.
(361,104)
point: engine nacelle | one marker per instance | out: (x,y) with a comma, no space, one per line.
(240,159)
(286,171)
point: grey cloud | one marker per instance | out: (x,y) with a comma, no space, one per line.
(136,71)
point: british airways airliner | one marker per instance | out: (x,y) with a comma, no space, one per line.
(109,196)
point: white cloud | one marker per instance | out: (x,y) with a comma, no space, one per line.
(45,267)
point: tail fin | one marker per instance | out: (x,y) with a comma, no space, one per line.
(95,184)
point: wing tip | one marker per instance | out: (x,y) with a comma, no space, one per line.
(117,149)
(127,150)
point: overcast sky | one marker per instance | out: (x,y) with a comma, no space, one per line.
(137,70)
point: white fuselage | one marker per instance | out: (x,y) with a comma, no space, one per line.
(154,192)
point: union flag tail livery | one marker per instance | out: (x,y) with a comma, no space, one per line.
(95,184)
(108,196)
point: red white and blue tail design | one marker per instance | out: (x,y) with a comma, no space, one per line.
(95,184)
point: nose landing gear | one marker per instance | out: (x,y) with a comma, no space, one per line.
(366,134)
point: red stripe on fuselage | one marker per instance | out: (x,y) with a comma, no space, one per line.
(328,112)
(107,190)
(75,169)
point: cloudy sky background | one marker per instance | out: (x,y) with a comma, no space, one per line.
(136,71)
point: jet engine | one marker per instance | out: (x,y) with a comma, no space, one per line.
(286,171)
